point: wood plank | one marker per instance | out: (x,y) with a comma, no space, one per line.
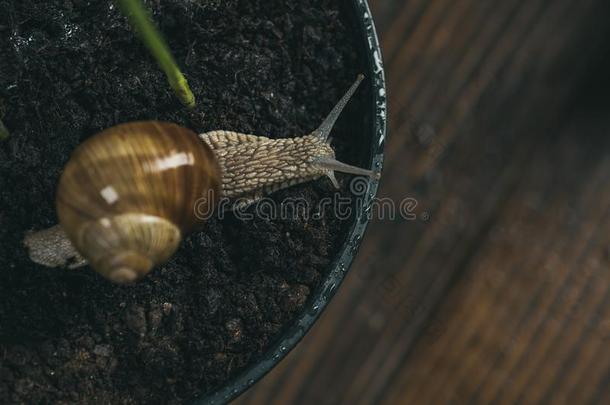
(523,325)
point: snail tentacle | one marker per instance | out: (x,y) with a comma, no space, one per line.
(323,131)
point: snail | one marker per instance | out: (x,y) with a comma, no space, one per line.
(130,193)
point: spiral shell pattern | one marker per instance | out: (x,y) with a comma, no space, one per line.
(128,195)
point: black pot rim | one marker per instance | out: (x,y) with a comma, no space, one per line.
(321,297)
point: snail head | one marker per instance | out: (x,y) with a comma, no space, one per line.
(324,158)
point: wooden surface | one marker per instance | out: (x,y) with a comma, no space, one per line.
(499,290)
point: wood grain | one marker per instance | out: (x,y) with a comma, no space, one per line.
(497,290)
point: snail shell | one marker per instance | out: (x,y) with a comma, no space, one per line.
(128,195)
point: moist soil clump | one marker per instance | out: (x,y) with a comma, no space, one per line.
(71,68)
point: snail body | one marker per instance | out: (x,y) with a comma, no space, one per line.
(254,166)
(129,194)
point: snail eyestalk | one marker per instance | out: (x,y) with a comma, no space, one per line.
(323,131)
(141,21)
(4,134)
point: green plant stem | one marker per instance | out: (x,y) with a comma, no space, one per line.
(141,20)
(4,134)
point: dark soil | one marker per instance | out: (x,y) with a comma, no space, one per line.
(70,68)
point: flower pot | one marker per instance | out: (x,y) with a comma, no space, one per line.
(220,314)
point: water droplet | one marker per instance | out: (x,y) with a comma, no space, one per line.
(378,63)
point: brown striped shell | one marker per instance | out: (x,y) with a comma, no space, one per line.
(129,194)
